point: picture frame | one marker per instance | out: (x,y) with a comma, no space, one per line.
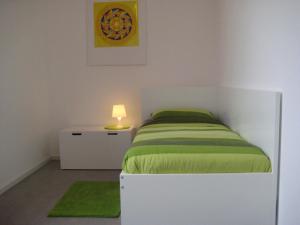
(116,32)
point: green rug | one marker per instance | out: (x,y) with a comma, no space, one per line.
(89,199)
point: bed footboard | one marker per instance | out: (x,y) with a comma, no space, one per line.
(198,199)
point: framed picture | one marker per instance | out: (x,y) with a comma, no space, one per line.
(116,32)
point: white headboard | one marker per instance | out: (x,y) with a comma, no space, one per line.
(254,114)
(167,97)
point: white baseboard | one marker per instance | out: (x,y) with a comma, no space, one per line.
(22,176)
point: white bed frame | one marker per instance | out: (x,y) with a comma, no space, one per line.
(210,199)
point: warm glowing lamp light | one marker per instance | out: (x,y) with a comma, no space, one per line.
(118,112)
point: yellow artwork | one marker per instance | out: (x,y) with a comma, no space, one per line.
(116,24)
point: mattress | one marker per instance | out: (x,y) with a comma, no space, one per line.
(164,148)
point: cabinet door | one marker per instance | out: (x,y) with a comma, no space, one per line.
(83,150)
(93,150)
(119,142)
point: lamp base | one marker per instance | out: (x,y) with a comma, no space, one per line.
(116,127)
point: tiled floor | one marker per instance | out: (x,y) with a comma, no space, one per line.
(29,201)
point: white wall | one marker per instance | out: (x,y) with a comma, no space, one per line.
(181,51)
(43,44)
(261,49)
(23,88)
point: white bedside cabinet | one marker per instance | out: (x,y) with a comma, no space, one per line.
(93,147)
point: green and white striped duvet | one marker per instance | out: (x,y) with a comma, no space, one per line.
(192,148)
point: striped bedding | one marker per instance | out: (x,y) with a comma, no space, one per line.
(163,148)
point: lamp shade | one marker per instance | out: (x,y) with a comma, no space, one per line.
(119,111)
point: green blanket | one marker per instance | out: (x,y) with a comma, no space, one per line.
(161,148)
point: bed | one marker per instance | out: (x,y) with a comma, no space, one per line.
(163,148)
(180,172)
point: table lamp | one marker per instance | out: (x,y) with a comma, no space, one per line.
(118,112)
